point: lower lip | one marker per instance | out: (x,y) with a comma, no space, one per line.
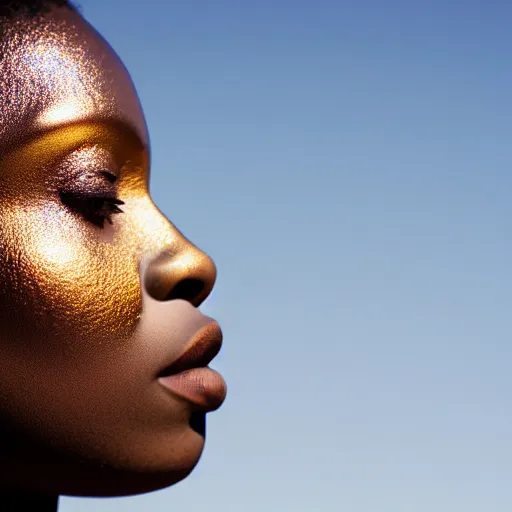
(203,387)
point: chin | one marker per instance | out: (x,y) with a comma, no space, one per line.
(136,468)
(141,471)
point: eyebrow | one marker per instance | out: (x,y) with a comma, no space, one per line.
(68,113)
(119,125)
(78,132)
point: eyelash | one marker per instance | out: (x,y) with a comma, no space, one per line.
(95,207)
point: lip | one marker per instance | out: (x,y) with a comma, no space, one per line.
(189,377)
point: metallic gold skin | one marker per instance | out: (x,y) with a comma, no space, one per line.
(89,315)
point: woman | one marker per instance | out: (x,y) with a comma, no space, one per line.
(105,383)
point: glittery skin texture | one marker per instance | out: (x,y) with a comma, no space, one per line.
(86,320)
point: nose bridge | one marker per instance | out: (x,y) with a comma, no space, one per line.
(158,237)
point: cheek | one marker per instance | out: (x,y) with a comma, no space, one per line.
(62,280)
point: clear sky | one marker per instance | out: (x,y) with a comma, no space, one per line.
(348,165)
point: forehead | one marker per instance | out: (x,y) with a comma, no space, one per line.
(57,70)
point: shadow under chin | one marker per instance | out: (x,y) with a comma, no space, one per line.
(30,467)
(198,423)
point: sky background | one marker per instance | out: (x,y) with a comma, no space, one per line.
(347,164)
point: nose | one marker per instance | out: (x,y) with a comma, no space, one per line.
(187,273)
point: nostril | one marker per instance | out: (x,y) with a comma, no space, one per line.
(187,289)
(188,275)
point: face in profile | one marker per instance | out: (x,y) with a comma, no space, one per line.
(105,384)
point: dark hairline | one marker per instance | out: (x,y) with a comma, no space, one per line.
(10,9)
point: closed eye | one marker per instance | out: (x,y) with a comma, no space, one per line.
(95,201)
(96,209)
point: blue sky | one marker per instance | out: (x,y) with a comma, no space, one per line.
(348,167)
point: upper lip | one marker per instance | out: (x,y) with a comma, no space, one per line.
(204,346)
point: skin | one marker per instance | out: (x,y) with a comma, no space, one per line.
(89,315)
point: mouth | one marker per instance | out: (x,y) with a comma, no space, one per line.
(189,376)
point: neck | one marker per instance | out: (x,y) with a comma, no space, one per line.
(14,501)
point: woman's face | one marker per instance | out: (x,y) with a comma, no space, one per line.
(98,290)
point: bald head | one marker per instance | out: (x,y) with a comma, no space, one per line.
(55,69)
